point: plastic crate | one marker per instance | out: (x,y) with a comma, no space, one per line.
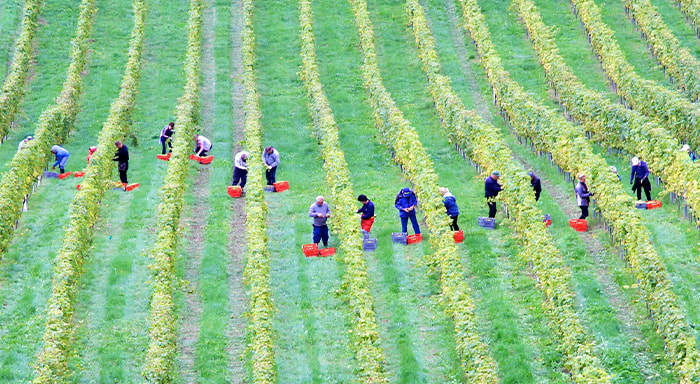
(64,175)
(206,160)
(77,187)
(369,244)
(131,187)
(325,252)
(194,157)
(547,223)
(51,175)
(580,225)
(269,189)
(281,186)
(547,217)
(234,191)
(310,250)
(487,222)
(413,239)
(164,157)
(399,237)
(653,204)
(78,174)
(640,205)
(459,236)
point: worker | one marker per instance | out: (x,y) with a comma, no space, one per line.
(91,151)
(686,148)
(165,136)
(639,178)
(491,189)
(320,211)
(583,196)
(613,169)
(202,145)
(61,157)
(536,184)
(406,203)
(366,213)
(24,142)
(450,203)
(271,159)
(122,159)
(240,169)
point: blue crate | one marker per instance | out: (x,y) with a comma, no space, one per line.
(640,205)
(399,237)
(369,244)
(487,222)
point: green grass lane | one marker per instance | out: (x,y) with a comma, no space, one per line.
(112,307)
(10,23)
(676,21)
(416,335)
(312,344)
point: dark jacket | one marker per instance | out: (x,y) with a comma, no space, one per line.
(582,195)
(639,171)
(536,183)
(122,154)
(367,210)
(450,205)
(405,201)
(491,187)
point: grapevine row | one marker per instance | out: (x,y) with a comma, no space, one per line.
(691,9)
(54,125)
(51,365)
(13,89)
(485,145)
(612,124)
(552,133)
(678,62)
(403,141)
(365,335)
(257,268)
(162,348)
(680,115)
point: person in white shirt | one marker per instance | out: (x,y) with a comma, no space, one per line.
(202,145)
(240,169)
(23,142)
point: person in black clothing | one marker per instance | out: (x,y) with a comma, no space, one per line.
(491,189)
(122,157)
(367,211)
(536,185)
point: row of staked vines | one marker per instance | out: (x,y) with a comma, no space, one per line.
(162,348)
(402,139)
(485,145)
(691,9)
(570,150)
(612,124)
(51,365)
(356,288)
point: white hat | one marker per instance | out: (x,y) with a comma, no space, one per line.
(613,169)
(685,147)
(635,160)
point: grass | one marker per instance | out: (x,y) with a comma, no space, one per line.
(10,22)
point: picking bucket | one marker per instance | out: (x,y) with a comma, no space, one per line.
(459,236)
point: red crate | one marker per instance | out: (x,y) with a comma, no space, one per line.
(164,157)
(64,175)
(326,252)
(310,250)
(77,187)
(547,223)
(131,187)
(580,225)
(653,204)
(412,239)
(459,236)
(206,160)
(281,186)
(234,191)
(78,174)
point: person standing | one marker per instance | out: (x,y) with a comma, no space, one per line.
(613,169)
(271,159)
(240,169)
(23,143)
(685,148)
(491,189)
(320,211)
(583,196)
(536,185)
(91,151)
(406,203)
(165,134)
(122,159)
(451,206)
(640,178)
(367,213)
(202,145)
(61,157)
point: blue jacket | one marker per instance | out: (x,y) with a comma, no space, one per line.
(582,194)
(639,171)
(406,201)
(367,210)
(450,204)
(61,155)
(491,187)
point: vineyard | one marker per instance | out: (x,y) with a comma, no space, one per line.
(169,279)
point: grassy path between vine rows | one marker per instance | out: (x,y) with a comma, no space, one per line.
(10,24)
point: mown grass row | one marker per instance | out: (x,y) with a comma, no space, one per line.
(52,360)
(679,114)
(484,144)
(257,268)
(612,124)
(365,335)
(162,348)
(403,141)
(13,89)
(691,9)
(54,125)
(553,134)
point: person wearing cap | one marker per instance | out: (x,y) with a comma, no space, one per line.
(165,134)
(122,159)
(202,145)
(613,169)
(91,151)
(271,159)
(686,148)
(583,196)
(491,189)
(320,211)
(536,184)
(366,213)
(451,207)
(23,142)
(61,157)
(640,178)
(240,169)
(406,204)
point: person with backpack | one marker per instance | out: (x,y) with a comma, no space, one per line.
(583,196)
(122,159)
(61,157)
(451,206)
(202,145)
(406,203)
(165,136)
(366,213)
(639,178)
